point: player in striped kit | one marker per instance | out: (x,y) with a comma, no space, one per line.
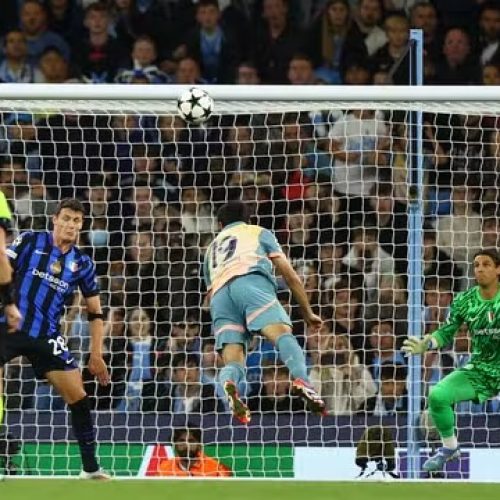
(479,380)
(48,267)
(238,271)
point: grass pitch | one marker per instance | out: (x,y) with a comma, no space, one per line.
(26,489)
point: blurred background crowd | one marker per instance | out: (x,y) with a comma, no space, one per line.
(247,41)
(331,185)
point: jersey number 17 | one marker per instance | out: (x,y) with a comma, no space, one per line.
(223,250)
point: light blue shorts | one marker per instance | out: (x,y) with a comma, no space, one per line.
(243,307)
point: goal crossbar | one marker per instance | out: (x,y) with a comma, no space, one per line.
(140,98)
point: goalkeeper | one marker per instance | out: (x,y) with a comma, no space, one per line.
(10,312)
(479,380)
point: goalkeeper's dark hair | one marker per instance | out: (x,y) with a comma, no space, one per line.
(492,253)
(71,204)
(234,211)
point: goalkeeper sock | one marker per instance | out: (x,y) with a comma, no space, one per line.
(232,372)
(293,356)
(450,442)
(1,409)
(84,431)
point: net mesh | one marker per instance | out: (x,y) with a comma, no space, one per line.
(329,179)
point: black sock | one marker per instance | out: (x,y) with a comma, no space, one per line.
(84,431)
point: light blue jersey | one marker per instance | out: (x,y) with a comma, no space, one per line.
(239,277)
(239,249)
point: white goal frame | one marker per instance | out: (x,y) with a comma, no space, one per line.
(158,99)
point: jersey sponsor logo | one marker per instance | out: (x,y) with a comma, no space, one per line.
(489,332)
(54,282)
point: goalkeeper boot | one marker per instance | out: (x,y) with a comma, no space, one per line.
(98,475)
(238,407)
(438,460)
(312,399)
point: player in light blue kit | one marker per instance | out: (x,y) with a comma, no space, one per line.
(238,271)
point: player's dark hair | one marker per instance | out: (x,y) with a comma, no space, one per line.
(491,253)
(72,204)
(234,211)
(193,431)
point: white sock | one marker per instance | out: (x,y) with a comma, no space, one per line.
(451,443)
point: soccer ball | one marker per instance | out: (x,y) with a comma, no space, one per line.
(195,105)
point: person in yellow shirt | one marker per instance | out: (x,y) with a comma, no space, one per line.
(9,309)
(189,458)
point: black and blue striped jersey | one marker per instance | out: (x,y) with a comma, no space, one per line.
(44,280)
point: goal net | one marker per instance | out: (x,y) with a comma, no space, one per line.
(328,175)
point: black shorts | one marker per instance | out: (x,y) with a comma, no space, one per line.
(46,354)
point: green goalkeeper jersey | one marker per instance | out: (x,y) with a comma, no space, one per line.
(483,321)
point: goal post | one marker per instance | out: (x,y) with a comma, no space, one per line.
(415,243)
(326,169)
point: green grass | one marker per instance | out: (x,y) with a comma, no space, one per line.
(241,490)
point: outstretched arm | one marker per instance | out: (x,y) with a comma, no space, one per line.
(439,338)
(293,281)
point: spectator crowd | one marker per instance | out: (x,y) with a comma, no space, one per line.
(331,185)
(247,41)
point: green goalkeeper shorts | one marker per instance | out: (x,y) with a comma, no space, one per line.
(485,385)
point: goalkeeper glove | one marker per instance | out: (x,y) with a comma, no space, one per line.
(414,345)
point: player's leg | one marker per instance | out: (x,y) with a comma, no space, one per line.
(265,314)
(456,387)
(233,356)
(52,360)
(231,339)
(292,355)
(9,349)
(289,350)
(69,386)
(230,377)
